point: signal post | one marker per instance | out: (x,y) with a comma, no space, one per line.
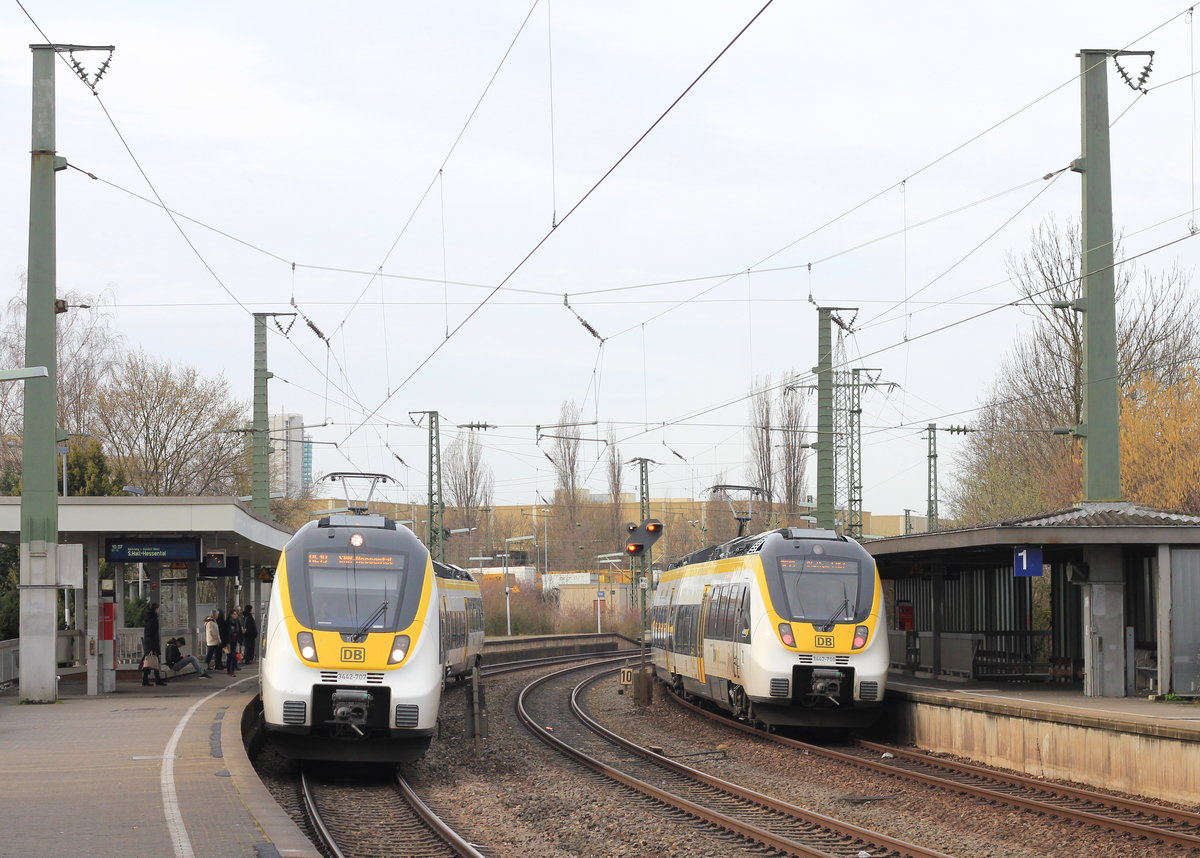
(638,544)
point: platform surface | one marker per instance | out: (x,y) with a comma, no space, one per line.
(145,772)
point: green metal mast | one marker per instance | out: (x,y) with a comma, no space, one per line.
(39,503)
(931,509)
(826,431)
(436,539)
(824,443)
(1101,405)
(260,488)
(646,560)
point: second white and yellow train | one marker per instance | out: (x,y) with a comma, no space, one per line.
(783,628)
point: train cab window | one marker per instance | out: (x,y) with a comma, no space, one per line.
(347,594)
(820,589)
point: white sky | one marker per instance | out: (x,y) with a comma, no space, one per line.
(309,133)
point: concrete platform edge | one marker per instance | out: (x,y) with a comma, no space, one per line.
(277,827)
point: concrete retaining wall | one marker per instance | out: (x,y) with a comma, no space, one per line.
(1152,760)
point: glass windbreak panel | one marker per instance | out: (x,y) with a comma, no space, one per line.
(346,591)
(820,590)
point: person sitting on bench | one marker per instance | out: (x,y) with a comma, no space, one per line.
(177,661)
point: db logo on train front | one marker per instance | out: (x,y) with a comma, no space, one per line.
(353,653)
(823,641)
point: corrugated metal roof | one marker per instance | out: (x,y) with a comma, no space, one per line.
(1110,514)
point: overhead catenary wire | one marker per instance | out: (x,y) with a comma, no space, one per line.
(587,194)
(443,281)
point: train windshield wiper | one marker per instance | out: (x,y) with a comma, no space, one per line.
(361,634)
(827,626)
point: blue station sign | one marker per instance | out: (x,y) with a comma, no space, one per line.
(1027,561)
(163,549)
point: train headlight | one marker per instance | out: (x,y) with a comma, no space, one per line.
(356,539)
(399,649)
(785,633)
(860,637)
(308,647)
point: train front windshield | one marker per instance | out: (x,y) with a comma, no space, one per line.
(347,592)
(820,590)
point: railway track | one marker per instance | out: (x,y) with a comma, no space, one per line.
(367,811)
(549,707)
(1153,823)
(376,818)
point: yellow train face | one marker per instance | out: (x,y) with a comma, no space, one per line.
(354,599)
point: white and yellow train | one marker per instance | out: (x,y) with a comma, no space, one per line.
(362,631)
(782,628)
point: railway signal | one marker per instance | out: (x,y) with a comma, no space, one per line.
(642,536)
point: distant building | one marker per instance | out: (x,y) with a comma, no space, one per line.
(290,462)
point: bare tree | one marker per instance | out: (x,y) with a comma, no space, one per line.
(792,476)
(762,450)
(87,351)
(613,467)
(171,431)
(469,479)
(1005,469)
(567,495)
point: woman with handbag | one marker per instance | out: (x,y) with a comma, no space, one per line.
(152,648)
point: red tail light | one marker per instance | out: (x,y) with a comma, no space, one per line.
(785,632)
(860,637)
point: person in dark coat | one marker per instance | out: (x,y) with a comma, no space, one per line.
(235,638)
(151,645)
(223,631)
(249,634)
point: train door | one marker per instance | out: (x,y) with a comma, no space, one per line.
(670,618)
(701,625)
(741,628)
(443,630)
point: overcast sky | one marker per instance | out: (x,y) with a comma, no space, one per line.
(887,157)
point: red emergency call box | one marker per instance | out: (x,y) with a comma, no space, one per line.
(108,621)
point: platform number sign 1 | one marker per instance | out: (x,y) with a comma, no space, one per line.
(1027,560)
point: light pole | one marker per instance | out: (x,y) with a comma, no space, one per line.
(507,612)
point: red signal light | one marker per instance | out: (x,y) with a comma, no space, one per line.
(860,637)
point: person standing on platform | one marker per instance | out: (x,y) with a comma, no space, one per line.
(177,661)
(235,638)
(212,640)
(151,646)
(223,633)
(249,634)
